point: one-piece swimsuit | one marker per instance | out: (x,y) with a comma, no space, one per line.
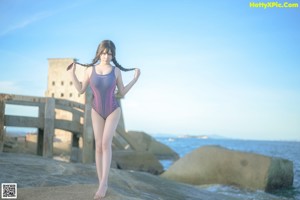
(103,88)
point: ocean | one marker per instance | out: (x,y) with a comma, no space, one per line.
(283,149)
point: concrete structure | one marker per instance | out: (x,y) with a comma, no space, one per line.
(46,122)
(60,85)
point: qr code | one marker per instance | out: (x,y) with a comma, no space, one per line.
(9,191)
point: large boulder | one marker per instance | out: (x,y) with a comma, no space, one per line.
(136,160)
(218,165)
(144,154)
(144,142)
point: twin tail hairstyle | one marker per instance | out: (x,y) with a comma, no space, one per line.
(103,47)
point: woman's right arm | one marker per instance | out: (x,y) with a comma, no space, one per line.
(80,86)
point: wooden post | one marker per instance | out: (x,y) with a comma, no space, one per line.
(39,142)
(40,133)
(49,127)
(2,130)
(87,136)
(75,148)
(75,142)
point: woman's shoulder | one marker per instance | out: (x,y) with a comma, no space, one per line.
(117,71)
(115,67)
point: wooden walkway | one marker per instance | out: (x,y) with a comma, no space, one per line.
(46,122)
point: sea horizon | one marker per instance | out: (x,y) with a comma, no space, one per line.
(21,131)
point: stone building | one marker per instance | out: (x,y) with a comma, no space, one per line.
(60,85)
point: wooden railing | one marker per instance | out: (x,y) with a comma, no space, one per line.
(46,122)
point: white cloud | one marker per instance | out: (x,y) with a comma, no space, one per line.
(25,22)
(37,16)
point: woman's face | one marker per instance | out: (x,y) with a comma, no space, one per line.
(106,56)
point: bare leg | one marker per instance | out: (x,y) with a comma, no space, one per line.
(98,127)
(110,126)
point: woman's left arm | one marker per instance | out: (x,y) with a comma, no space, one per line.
(124,89)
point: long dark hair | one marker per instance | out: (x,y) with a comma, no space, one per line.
(105,46)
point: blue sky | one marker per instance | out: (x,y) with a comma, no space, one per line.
(208,67)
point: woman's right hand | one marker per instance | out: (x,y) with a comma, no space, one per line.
(72,65)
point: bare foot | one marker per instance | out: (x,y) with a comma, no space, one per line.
(97,197)
(101,192)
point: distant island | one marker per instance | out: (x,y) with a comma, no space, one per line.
(208,136)
(202,136)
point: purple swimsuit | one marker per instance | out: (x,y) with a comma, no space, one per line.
(103,87)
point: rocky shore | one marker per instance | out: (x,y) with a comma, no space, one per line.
(145,157)
(42,178)
(138,174)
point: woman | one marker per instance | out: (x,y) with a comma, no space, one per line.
(103,78)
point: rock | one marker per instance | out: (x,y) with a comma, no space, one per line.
(47,179)
(138,161)
(144,142)
(10,144)
(280,174)
(217,165)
